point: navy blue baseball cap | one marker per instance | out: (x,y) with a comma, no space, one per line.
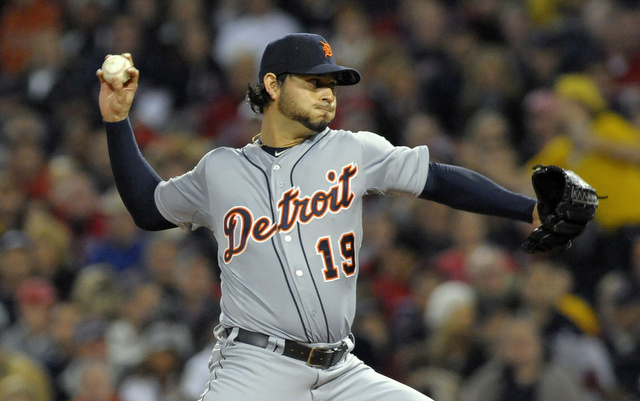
(306,54)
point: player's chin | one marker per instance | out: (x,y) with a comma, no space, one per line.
(316,122)
(318,125)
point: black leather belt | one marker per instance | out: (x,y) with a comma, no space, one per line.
(317,357)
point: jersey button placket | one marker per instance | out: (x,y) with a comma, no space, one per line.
(301,284)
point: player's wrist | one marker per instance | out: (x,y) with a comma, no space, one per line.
(114,119)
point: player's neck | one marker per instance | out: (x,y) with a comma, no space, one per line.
(279,133)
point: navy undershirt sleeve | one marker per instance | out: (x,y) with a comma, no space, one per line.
(135,179)
(464,189)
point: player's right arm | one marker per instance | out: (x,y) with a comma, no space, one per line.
(135,179)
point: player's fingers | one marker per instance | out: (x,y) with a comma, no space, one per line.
(129,57)
(104,82)
(133,72)
(134,75)
(100,76)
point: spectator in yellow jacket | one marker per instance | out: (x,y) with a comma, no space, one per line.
(603,147)
(22,378)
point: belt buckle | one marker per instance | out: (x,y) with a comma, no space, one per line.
(311,353)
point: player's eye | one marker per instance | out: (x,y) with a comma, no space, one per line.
(319,83)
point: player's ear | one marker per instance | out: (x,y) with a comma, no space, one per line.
(270,82)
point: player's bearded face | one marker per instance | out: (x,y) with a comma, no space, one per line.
(291,108)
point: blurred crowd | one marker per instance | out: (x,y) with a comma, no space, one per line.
(94,309)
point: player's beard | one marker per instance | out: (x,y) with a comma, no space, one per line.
(289,108)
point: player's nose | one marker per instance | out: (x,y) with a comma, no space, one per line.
(328,95)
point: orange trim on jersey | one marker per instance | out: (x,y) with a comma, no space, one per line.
(239,224)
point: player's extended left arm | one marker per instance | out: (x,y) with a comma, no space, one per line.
(464,189)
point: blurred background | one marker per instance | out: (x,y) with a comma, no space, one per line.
(94,309)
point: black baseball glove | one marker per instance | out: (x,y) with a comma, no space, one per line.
(566,204)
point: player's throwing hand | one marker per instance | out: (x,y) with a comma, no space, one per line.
(116,98)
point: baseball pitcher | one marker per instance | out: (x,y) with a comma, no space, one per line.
(286,213)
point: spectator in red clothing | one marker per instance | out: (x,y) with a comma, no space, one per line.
(21,21)
(30,333)
(391,284)
(224,119)
(469,233)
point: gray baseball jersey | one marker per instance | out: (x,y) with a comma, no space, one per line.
(289,228)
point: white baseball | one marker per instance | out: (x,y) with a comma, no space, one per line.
(116,67)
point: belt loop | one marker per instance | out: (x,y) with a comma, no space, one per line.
(350,342)
(275,344)
(231,333)
(219,332)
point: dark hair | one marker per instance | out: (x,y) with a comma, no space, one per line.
(259,98)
